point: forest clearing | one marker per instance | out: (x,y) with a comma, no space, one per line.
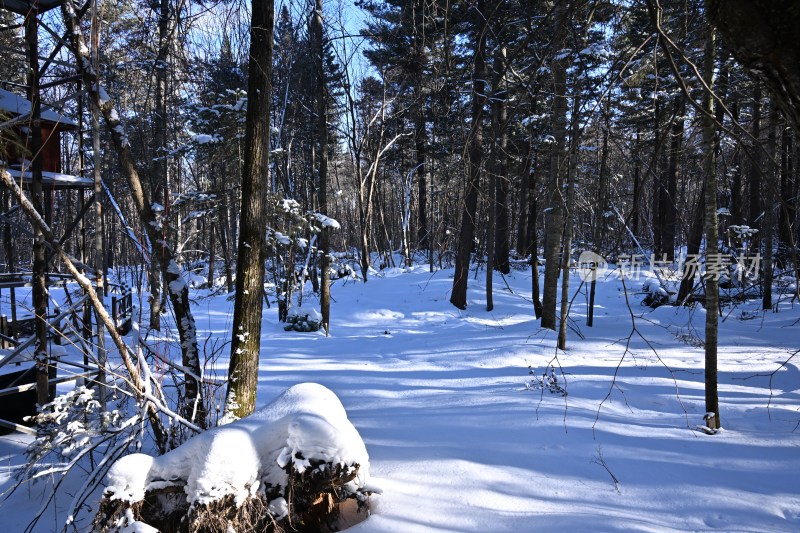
(399,265)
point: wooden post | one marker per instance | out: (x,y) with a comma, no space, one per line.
(37,195)
(4,330)
(14,329)
(99,237)
(590,318)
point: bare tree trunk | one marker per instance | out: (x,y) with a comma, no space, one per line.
(555,220)
(768,227)
(712,245)
(692,250)
(568,223)
(788,211)
(158,168)
(246,335)
(212,253)
(458,297)
(657,222)
(99,242)
(500,190)
(322,173)
(523,229)
(737,207)
(671,197)
(599,222)
(420,130)
(637,188)
(39,278)
(494,233)
(533,218)
(755,163)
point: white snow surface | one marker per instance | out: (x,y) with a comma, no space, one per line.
(306,422)
(458,443)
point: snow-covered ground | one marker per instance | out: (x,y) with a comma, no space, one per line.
(458,442)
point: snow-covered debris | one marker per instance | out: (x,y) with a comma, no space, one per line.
(203,138)
(326,221)
(305,428)
(303,319)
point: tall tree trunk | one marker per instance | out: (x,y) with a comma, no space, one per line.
(671,190)
(158,168)
(637,186)
(497,187)
(420,130)
(458,297)
(39,278)
(755,163)
(500,190)
(657,224)
(692,250)
(555,209)
(364,215)
(712,245)
(533,225)
(246,335)
(99,221)
(523,230)
(737,209)
(599,222)
(788,210)
(768,227)
(212,254)
(568,223)
(321,102)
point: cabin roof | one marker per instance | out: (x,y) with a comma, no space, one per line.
(21,7)
(53,180)
(17,105)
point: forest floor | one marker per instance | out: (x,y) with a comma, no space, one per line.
(462,438)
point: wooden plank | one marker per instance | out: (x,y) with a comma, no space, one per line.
(54,381)
(17,427)
(51,323)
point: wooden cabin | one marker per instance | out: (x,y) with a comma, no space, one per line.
(15,141)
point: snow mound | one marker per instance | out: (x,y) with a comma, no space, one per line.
(303,427)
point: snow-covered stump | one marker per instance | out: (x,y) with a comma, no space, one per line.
(295,464)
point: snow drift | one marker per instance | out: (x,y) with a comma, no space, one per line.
(302,443)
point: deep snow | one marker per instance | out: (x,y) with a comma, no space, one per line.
(458,442)
(305,423)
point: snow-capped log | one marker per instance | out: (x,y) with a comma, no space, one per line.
(296,463)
